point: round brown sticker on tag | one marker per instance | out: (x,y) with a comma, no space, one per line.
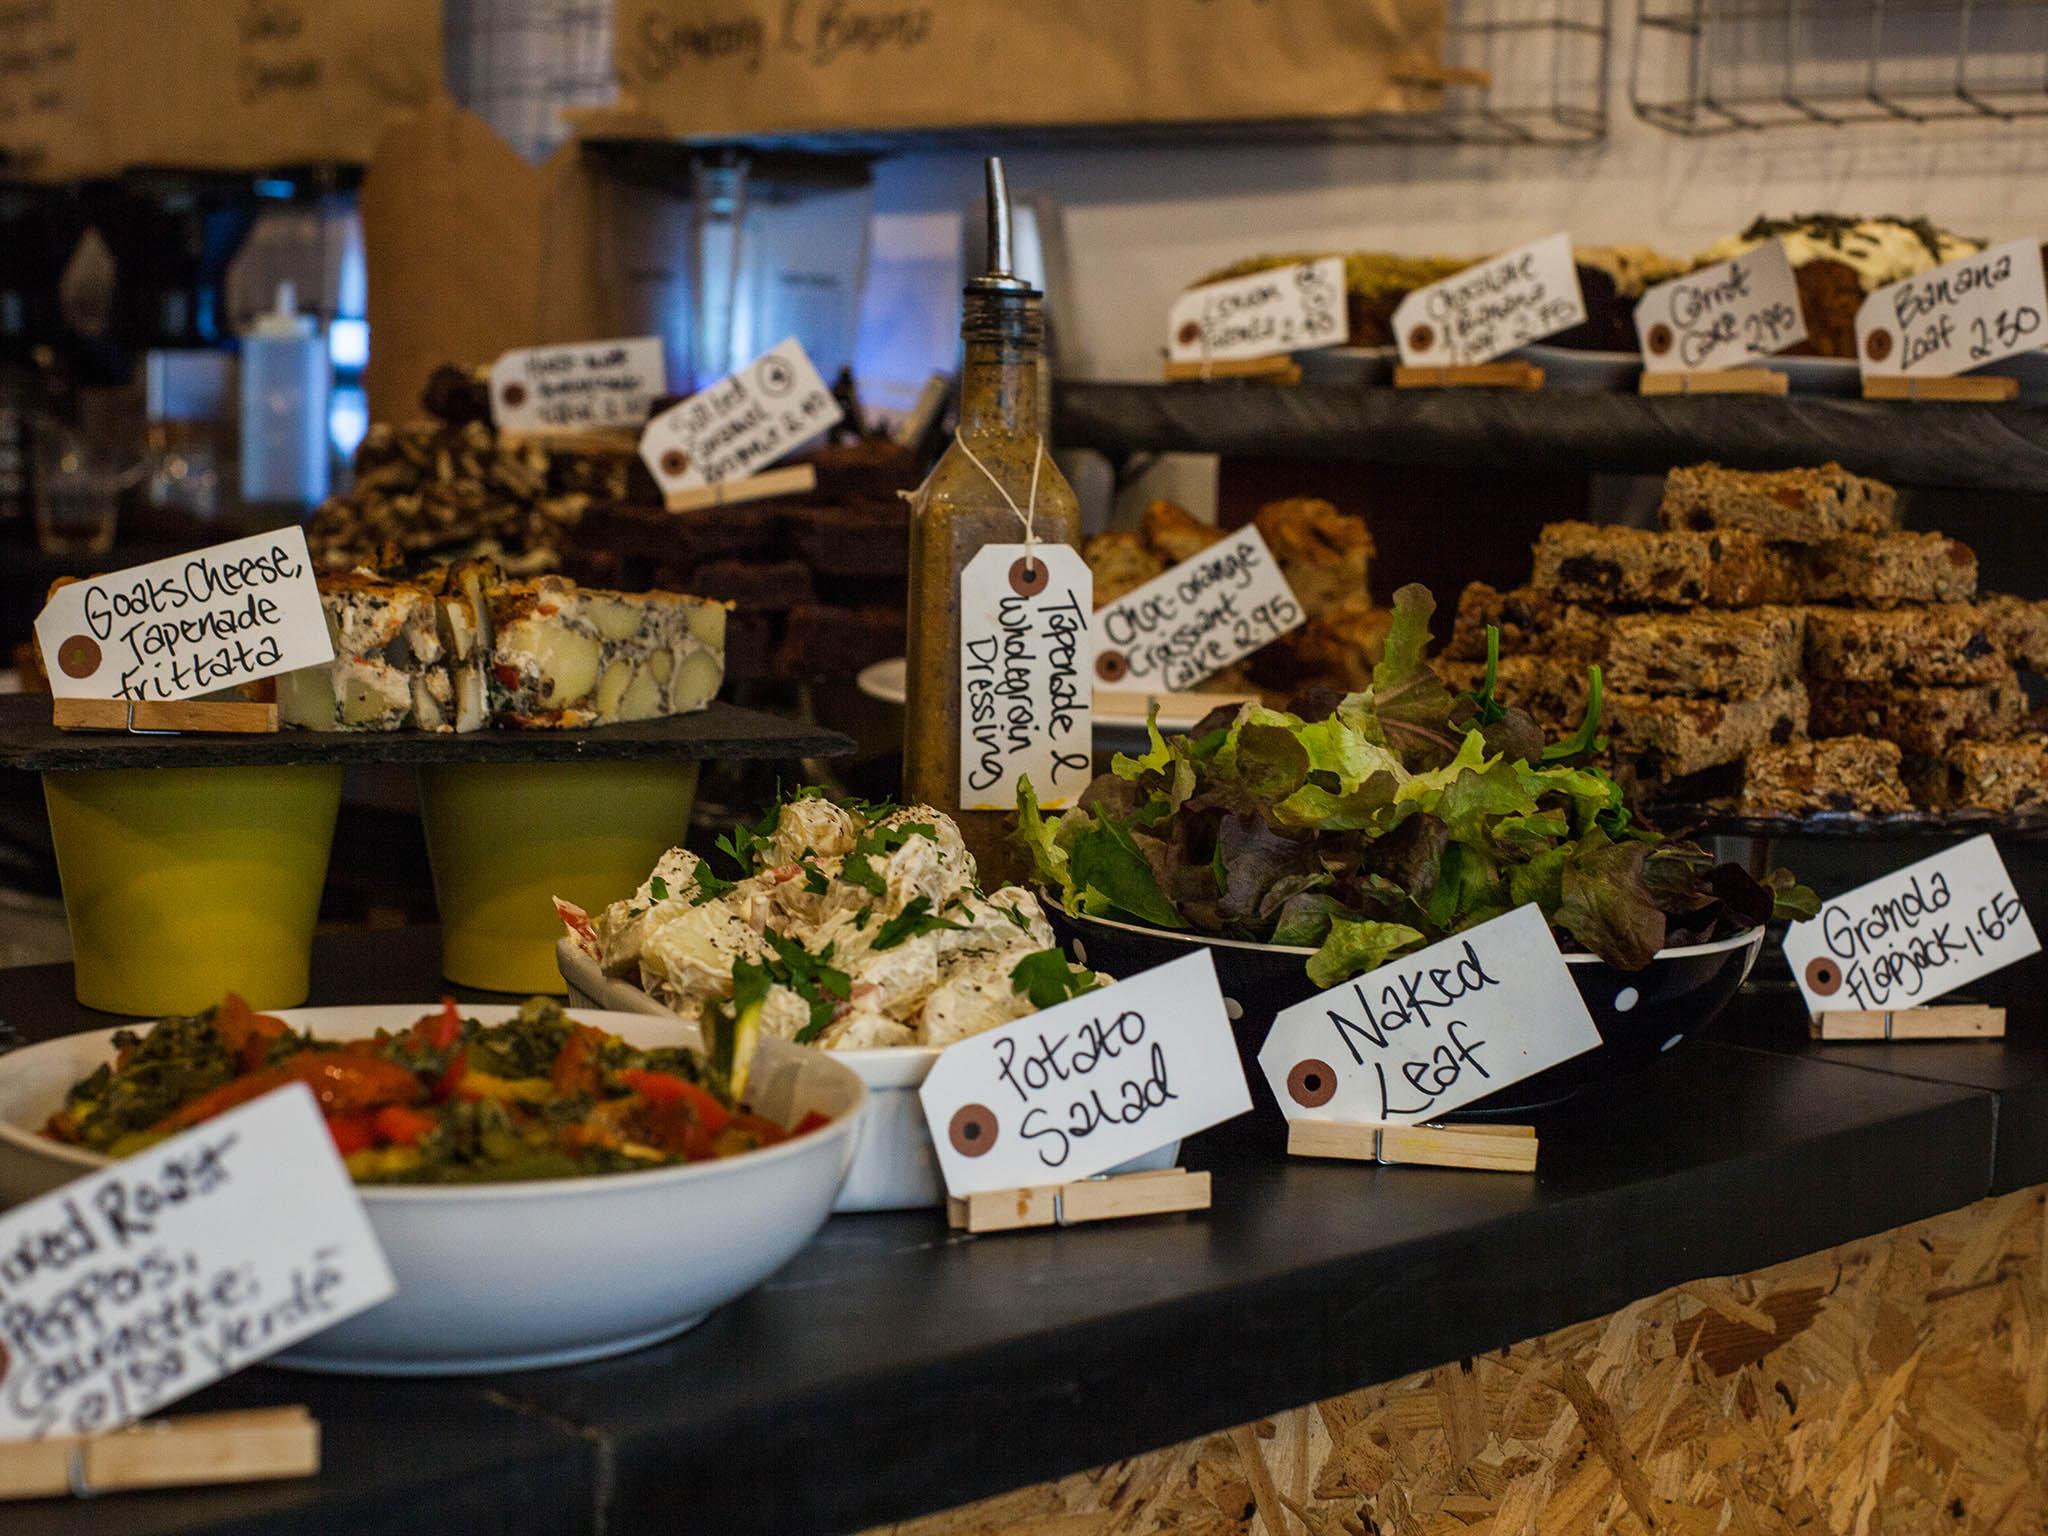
(1422,337)
(1660,338)
(973,1129)
(674,462)
(1312,1083)
(1111,667)
(1028,577)
(1877,346)
(79,656)
(514,396)
(1823,976)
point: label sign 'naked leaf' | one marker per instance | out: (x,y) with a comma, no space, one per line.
(128,1289)
(1088,1084)
(1488,310)
(189,625)
(1913,935)
(1433,1031)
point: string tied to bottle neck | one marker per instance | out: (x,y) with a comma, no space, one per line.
(1026,514)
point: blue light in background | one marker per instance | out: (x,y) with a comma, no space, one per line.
(348,418)
(348,343)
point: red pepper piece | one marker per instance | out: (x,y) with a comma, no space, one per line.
(352,1133)
(403,1126)
(666,1088)
(451,1079)
(812,1121)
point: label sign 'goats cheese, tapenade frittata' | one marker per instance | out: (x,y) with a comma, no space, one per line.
(1433,1031)
(189,625)
(1026,675)
(126,1290)
(1913,935)
(1087,1084)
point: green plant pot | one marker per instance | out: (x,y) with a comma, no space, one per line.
(181,884)
(506,838)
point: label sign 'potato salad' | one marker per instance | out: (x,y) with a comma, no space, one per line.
(1087,1084)
(1432,1031)
(1958,316)
(1196,618)
(1729,313)
(1489,310)
(741,424)
(129,1289)
(1264,314)
(1909,937)
(1026,647)
(177,628)
(585,386)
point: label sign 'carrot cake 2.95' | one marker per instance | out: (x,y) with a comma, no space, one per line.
(1026,675)
(1432,1031)
(1489,310)
(129,1289)
(1729,313)
(178,628)
(1961,315)
(1088,1084)
(1913,935)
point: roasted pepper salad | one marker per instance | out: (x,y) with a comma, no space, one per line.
(448,1101)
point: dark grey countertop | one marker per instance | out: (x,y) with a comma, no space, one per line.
(894,1368)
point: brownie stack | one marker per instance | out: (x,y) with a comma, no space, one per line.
(819,584)
(1777,637)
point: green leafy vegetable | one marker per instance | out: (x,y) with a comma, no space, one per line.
(915,920)
(1046,979)
(658,888)
(709,886)
(1353,948)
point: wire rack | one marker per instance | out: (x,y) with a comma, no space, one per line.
(1727,66)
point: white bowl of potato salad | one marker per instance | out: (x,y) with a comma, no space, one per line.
(856,928)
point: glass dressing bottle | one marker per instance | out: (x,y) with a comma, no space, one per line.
(961,507)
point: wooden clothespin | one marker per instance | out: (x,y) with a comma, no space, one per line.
(1968,386)
(1107,1197)
(1716,381)
(163,717)
(568,440)
(1960,1021)
(1498,1148)
(1278,370)
(1508,375)
(257,1445)
(794,480)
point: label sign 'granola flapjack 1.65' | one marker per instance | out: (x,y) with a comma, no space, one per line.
(1432,1031)
(1913,935)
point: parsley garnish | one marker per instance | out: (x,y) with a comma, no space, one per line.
(1014,916)
(812,978)
(744,842)
(814,879)
(709,885)
(1045,977)
(912,922)
(658,888)
(881,841)
(860,918)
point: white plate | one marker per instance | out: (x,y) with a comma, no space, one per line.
(895,1168)
(1114,709)
(497,1277)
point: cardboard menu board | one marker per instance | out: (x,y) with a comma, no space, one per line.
(764,66)
(91,87)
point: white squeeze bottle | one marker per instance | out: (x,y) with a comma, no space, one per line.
(284,408)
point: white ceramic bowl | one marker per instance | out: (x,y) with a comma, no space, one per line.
(544,1272)
(895,1168)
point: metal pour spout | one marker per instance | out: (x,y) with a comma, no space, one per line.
(999,278)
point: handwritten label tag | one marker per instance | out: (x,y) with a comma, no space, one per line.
(1264,314)
(1913,935)
(1026,645)
(1489,310)
(1196,618)
(129,1289)
(1958,316)
(1087,1084)
(1432,1031)
(177,628)
(585,386)
(1719,316)
(743,423)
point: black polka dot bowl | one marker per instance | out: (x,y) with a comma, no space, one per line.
(1640,1014)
